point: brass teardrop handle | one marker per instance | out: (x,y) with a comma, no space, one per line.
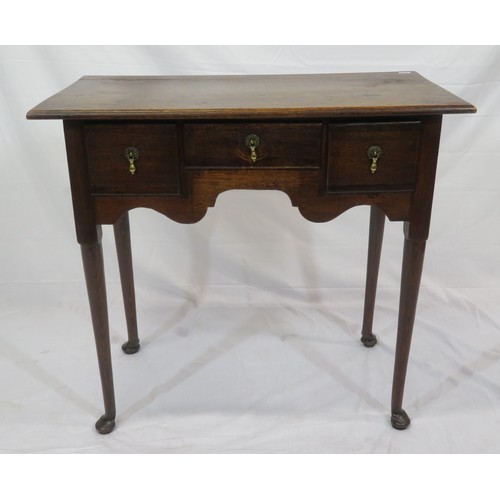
(131,154)
(252,141)
(374,153)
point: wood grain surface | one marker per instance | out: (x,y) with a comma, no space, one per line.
(250,96)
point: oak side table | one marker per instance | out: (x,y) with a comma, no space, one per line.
(174,143)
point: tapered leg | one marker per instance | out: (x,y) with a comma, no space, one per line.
(413,259)
(96,288)
(377,222)
(124,251)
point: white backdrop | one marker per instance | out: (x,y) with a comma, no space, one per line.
(249,319)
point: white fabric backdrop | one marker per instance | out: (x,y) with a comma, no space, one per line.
(250,319)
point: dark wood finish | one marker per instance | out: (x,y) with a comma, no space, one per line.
(349,165)
(83,205)
(314,132)
(404,93)
(413,260)
(190,210)
(157,168)
(121,230)
(282,145)
(93,266)
(376,235)
(416,231)
(421,207)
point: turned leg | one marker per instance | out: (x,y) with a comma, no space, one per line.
(96,288)
(413,259)
(377,222)
(124,251)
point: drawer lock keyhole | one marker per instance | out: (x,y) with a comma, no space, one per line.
(131,154)
(374,153)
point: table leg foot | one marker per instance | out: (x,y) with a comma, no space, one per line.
(124,251)
(93,266)
(369,340)
(105,425)
(400,420)
(413,260)
(377,222)
(131,346)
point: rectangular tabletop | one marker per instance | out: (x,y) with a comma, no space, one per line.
(249,97)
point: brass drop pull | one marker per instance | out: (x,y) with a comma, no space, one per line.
(131,154)
(252,141)
(374,153)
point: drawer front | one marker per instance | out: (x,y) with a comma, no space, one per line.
(156,169)
(276,145)
(351,162)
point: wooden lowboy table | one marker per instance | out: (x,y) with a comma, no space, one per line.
(174,144)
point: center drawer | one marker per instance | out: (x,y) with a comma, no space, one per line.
(252,145)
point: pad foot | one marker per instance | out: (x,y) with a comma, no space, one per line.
(105,425)
(131,347)
(400,420)
(369,340)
